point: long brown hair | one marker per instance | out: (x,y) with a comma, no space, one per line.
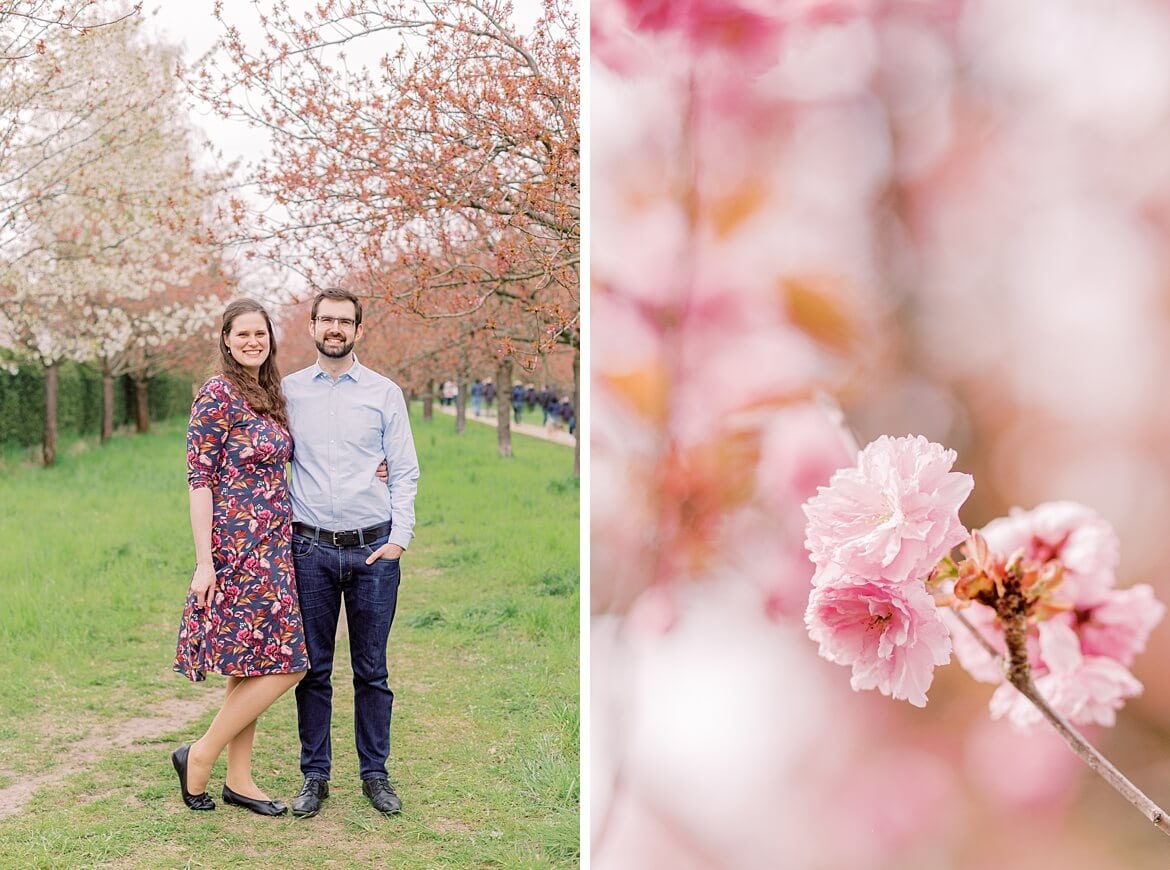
(263,392)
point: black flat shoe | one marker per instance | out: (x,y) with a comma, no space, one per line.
(194,801)
(263,808)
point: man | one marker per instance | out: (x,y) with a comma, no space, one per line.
(349,531)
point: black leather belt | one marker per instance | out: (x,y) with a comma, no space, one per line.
(350,538)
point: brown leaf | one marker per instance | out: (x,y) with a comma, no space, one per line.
(645,389)
(728,212)
(815,306)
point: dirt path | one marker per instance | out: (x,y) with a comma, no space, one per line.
(177,715)
(560,436)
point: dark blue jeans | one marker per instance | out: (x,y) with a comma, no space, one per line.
(324,574)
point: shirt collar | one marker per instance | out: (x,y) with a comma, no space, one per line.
(353,372)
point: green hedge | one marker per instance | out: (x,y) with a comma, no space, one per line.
(79,402)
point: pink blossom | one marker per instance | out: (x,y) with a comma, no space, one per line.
(1085,690)
(972,655)
(1084,543)
(800,448)
(891,635)
(1119,624)
(894,516)
(1079,660)
(707,22)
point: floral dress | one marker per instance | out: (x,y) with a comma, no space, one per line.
(254,623)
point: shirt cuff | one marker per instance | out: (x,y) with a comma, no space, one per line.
(401,540)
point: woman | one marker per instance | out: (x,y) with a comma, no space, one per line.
(242,618)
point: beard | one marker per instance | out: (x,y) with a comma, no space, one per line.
(337,351)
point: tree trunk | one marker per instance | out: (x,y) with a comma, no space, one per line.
(107,407)
(429,401)
(577,411)
(141,403)
(49,444)
(504,406)
(461,404)
(461,390)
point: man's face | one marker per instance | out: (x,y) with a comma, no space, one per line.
(334,331)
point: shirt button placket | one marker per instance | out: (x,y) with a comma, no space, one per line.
(332,429)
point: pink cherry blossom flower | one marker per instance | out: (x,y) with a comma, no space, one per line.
(894,515)
(707,23)
(1086,690)
(1084,543)
(891,635)
(800,449)
(1119,624)
(972,655)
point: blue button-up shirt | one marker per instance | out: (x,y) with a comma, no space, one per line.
(341,432)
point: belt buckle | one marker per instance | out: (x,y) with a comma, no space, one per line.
(345,539)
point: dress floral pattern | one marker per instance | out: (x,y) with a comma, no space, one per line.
(254,624)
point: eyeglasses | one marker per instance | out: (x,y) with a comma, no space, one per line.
(343,322)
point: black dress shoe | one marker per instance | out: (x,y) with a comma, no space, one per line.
(194,801)
(263,808)
(308,800)
(382,795)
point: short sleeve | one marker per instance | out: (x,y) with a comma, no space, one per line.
(211,420)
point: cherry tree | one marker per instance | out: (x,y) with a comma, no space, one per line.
(441,138)
(28,31)
(107,210)
(25,25)
(173,328)
(460,333)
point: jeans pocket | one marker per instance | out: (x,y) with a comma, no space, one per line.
(302,546)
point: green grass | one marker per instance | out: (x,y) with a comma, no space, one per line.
(483,661)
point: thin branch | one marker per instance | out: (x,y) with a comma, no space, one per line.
(1012,615)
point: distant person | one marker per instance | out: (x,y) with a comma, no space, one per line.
(517,400)
(489,394)
(242,618)
(552,419)
(349,532)
(569,415)
(477,397)
(546,398)
(530,397)
(450,392)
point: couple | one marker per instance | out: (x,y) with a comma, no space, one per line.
(342,522)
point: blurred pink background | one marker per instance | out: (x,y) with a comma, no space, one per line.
(952,219)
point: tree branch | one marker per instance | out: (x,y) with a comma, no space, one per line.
(1013,616)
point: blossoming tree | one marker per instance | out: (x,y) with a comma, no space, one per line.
(107,211)
(442,138)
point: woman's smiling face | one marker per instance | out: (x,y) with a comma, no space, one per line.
(248,340)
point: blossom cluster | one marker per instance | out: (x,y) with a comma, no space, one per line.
(1088,631)
(880,535)
(874,533)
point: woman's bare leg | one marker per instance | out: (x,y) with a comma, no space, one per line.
(239,755)
(242,705)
